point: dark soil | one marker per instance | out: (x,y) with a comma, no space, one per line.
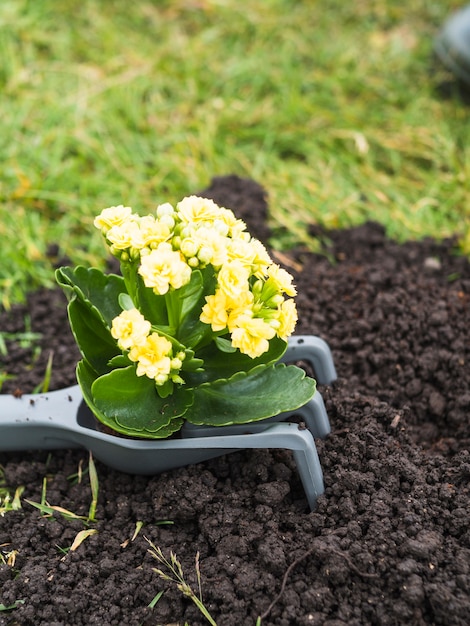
(389,543)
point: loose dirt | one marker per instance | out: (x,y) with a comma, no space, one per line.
(389,542)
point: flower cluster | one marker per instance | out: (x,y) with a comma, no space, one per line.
(193,330)
(152,352)
(250,301)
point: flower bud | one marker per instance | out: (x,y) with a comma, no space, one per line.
(205,255)
(257,288)
(176,364)
(165,210)
(177,379)
(275,301)
(189,247)
(161,379)
(168,220)
(134,254)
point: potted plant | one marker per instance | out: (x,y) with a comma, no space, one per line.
(192,331)
(181,351)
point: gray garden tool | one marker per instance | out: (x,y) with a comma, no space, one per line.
(60,419)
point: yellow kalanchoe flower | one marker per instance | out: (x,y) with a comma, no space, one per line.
(233,279)
(153,358)
(282,280)
(249,300)
(221,312)
(130,328)
(252,336)
(243,251)
(215,312)
(112,216)
(124,236)
(287,319)
(240,308)
(261,259)
(193,209)
(153,232)
(236,227)
(163,268)
(211,246)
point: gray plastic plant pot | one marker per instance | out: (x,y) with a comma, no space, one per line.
(60,419)
(452,45)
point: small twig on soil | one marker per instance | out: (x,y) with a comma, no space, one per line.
(284,581)
(299,560)
(355,569)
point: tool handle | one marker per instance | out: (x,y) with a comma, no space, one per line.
(39,421)
(316,352)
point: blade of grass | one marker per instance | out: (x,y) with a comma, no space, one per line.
(43,386)
(80,538)
(94,484)
(50,510)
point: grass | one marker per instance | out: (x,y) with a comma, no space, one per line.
(173,571)
(49,511)
(8,500)
(333,107)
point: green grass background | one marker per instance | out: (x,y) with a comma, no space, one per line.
(334,107)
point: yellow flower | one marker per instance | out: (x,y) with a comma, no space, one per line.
(193,209)
(221,312)
(287,319)
(233,279)
(282,280)
(165,210)
(252,336)
(214,312)
(153,358)
(124,236)
(241,250)
(163,268)
(112,216)
(130,328)
(261,259)
(189,247)
(242,307)
(212,246)
(153,232)
(235,226)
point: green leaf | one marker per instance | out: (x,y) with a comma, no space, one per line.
(189,295)
(151,305)
(125,302)
(224,345)
(93,337)
(93,304)
(191,331)
(191,364)
(86,377)
(166,389)
(133,404)
(247,397)
(92,286)
(121,360)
